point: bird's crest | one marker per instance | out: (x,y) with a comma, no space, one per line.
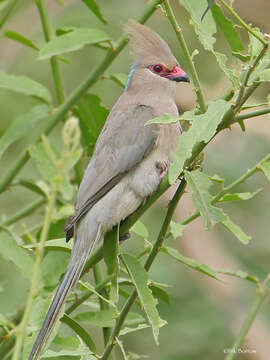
(148,47)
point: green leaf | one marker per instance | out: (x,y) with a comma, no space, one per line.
(25,85)
(80,331)
(44,163)
(163,119)
(265,167)
(111,253)
(160,294)
(11,251)
(53,245)
(93,6)
(139,278)
(176,229)
(14,35)
(236,230)
(69,354)
(4,4)
(200,184)
(23,125)
(242,57)
(203,128)
(203,268)
(92,116)
(103,318)
(140,229)
(216,178)
(239,196)
(128,330)
(68,342)
(72,41)
(120,79)
(53,266)
(242,275)
(228,29)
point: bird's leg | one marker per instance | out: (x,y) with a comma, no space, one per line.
(162,167)
(124,237)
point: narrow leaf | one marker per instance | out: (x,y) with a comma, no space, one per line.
(11,251)
(242,275)
(14,35)
(265,167)
(203,268)
(23,125)
(239,196)
(228,29)
(80,331)
(120,79)
(25,86)
(160,294)
(200,184)
(203,128)
(139,278)
(93,6)
(92,115)
(236,230)
(72,41)
(163,119)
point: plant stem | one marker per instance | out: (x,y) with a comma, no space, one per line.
(76,95)
(8,13)
(248,73)
(21,330)
(49,34)
(260,296)
(157,246)
(103,305)
(245,25)
(228,188)
(187,55)
(252,114)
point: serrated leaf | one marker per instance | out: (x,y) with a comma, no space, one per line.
(103,318)
(160,294)
(22,125)
(14,35)
(11,251)
(265,167)
(239,196)
(140,229)
(139,278)
(80,331)
(200,184)
(128,330)
(163,119)
(92,116)
(228,29)
(176,229)
(25,85)
(236,230)
(72,41)
(203,268)
(93,6)
(68,354)
(120,79)
(203,128)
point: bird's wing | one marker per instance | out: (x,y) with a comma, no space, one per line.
(123,143)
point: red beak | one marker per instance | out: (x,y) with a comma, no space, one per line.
(178,75)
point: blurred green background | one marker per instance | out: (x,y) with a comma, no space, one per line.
(204,315)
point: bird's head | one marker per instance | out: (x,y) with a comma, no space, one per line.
(153,55)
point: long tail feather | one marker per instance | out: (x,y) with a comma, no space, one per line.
(80,254)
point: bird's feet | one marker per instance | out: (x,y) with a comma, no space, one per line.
(162,167)
(124,237)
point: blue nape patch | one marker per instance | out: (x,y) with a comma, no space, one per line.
(130,76)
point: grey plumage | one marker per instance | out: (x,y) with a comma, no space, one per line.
(129,160)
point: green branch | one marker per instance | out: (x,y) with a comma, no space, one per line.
(76,96)
(187,55)
(8,13)
(245,25)
(228,188)
(155,250)
(49,34)
(21,330)
(260,296)
(252,114)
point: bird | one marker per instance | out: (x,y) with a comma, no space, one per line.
(129,159)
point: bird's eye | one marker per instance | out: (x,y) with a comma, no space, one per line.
(158,68)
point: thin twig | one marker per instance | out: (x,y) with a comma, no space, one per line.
(260,296)
(180,37)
